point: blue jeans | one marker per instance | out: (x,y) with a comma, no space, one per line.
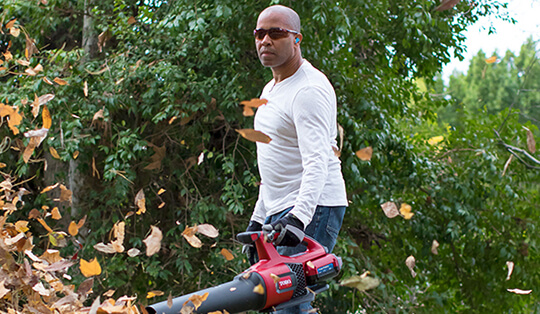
(324,228)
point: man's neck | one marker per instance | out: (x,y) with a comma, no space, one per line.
(287,70)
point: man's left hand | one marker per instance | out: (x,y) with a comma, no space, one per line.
(290,228)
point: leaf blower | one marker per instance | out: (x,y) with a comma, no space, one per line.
(275,282)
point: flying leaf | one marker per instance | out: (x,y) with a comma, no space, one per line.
(44,224)
(510,266)
(76,154)
(507,164)
(531,143)
(46,80)
(254,136)
(193,241)
(105,248)
(363,282)
(405,210)
(133,252)
(85,89)
(208,230)
(153,241)
(170,300)
(446,5)
(411,262)
(46,116)
(250,104)
(390,209)
(49,188)
(59,81)
(54,153)
(10,24)
(161,191)
(29,149)
(365,153)
(140,201)
(259,289)
(197,300)
(227,254)
(65,194)
(491,60)
(131,20)
(15,118)
(154,293)
(159,154)
(434,247)
(91,268)
(73,229)
(519,291)
(200,159)
(56,214)
(276,278)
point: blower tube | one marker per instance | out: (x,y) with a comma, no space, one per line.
(234,297)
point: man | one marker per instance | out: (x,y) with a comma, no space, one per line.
(302,188)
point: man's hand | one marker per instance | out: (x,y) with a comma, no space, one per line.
(290,228)
(249,249)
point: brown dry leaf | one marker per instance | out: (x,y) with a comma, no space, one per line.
(254,102)
(15,31)
(21,226)
(39,101)
(8,56)
(161,191)
(85,89)
(15,118)
(197,300)
(153,241)
(46,116)
(159,154)
(259,289)
(49,188)
(59,81)
(390,209)
(44,224)
(56,214)
(73,229)
(140,201)
(161,205)
(103,38)
(208,230)
(193,241)
(65,194)
(109,293)
(227,254)
(405,210)
(34,213)
(254,136)
(23,62)
(76,154)
(275,278)
(91,268)
(411,262)
(363,282)
(131,20)
(446,5)
(10,24)
(154,293)
(98,115)
(30,47)
(187,309)
(434,247)
(105,248)
(531,143)
(51,256)
(365,153)
(3,290)
(507,164)
(54,153)
(46,80)
(491,60)
(190,231)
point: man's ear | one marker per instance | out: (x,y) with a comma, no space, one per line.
(298,39)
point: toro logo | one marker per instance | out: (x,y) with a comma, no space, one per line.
(285,283)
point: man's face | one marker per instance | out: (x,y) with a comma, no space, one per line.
(274,52)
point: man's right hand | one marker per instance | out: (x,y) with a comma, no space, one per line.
(249,249)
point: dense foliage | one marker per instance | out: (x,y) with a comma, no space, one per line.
(156,106)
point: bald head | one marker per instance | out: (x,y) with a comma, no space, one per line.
(287,15)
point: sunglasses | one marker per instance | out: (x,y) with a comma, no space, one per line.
(274,33)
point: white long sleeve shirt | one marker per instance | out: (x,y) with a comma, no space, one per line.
(298,167)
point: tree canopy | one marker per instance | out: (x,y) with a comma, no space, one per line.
(119,150)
